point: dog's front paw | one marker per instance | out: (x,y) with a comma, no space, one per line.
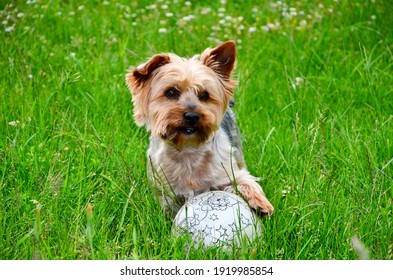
(256,199)
(261,205)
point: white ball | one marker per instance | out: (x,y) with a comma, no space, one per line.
(217,218)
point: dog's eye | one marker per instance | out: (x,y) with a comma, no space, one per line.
(172,93)
(204,96)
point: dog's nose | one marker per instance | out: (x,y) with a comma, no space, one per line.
(191,118)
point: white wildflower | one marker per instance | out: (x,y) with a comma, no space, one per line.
(273,5)
(271,26)
(205,11)
(189,18)
(20,15)
(10,28)
(162,30)
(187,3)
(252,29)
(14,123)
(299,81)
(80,8)
(169,14)
(303,23)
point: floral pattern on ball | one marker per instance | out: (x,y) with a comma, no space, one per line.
(216,218)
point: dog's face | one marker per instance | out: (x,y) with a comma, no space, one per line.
(183,101)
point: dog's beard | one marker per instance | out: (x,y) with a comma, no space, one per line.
(183,135)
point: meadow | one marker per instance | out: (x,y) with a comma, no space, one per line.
(314,104)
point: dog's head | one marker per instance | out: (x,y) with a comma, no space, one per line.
(183,100)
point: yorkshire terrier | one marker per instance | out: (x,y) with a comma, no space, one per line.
(195,144)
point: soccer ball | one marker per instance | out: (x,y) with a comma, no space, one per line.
(217,218)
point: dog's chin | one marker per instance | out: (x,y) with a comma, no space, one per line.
(187,136)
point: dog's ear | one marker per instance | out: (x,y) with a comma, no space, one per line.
(221,59)
(137,76)
(137,81)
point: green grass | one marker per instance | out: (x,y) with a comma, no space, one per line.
(314,104)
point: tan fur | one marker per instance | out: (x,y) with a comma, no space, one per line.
(186,159)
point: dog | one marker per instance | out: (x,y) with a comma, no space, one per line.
(195,145)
